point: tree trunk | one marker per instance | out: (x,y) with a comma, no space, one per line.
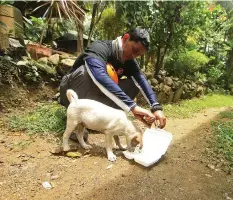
(92,25)
(156,68)
(80,31)
(161,62)
(96,16)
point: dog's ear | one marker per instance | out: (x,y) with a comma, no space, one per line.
(137,139)
(134,141)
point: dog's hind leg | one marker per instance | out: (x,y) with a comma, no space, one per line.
(70,126)
(80,136)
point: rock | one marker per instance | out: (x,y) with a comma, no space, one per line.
(211,166)
(168,81)
(43,60)
(57,151)
(166,89)
(199,91)
(149,75)
(54,59)
(178,94)
(208,175)
(170,97)
(154,82)
(162,73)
(160,78)
(175,78)
(67,62)
(156,88)
(176,85)
(162,98)
(193,85)
(186,87)
(64,56)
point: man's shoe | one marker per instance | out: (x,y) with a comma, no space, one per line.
(75,139)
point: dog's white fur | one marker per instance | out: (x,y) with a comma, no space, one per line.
(86,113)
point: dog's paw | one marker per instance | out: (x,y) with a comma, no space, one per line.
(66,148)
(112,157)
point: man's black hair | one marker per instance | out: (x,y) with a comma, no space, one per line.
(140,34)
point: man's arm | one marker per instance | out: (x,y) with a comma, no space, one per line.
(98,70)
(147,91)
(150,96)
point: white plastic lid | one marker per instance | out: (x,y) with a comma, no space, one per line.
(155,145)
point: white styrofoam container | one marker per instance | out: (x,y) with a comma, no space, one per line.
(155,145)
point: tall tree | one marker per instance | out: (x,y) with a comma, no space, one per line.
(97,10)
(228,5)
(167,22)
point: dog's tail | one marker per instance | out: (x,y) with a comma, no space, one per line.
(72,96)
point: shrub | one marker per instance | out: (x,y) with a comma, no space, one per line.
(33,28)
(214,74)
(186,63)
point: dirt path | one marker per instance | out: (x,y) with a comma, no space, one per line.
(181,174)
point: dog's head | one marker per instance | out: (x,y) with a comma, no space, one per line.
(136,137)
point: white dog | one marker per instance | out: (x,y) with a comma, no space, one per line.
(94,115)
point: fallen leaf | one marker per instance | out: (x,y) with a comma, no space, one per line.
(73,154)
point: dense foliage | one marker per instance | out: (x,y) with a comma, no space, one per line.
(188,38)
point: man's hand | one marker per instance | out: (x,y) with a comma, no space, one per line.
(144,115)
(160,118)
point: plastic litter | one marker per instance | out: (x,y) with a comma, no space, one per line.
(47,185)
(155,145)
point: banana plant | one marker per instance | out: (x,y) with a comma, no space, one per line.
(64,9)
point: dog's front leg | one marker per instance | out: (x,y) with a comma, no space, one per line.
(129,146)
(118,142)
(110,154)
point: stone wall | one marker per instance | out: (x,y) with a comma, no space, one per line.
(172,89)
(51,69)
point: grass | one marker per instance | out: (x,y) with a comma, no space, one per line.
(51,117)
(223,130)
(47,118)
(23,144)
(187,108)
